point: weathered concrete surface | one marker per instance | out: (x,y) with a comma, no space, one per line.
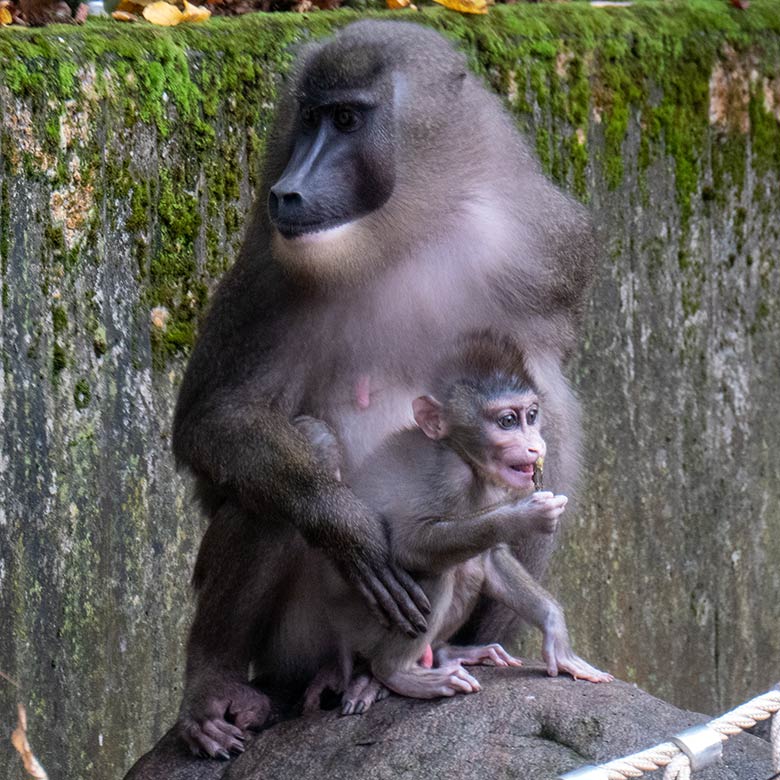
(128,156)
(521,725)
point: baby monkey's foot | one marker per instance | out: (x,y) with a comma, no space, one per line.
(329,678)
(420,683)
(580,669)
(559,657)
(362,691)
(477,655)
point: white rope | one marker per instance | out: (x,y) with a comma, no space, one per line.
(678,765)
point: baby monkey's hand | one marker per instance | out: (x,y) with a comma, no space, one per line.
(540,511)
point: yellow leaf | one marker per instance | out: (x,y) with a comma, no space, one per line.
(163,14)
(396,4)
(125,16)
(19,741)
(130,7)
(465,6)
(5,17)
(195,13)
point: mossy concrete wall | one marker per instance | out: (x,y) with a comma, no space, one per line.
(128,158)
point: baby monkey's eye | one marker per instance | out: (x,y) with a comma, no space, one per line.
(531,416)
(507,421)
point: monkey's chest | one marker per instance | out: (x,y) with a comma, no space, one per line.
(366,410)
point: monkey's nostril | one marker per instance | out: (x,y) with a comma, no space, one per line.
(283,204)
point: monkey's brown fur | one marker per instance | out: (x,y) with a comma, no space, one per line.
(347,326)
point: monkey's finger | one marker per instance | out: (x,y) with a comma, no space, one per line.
(413,589)
(369,596)
(461,679)
(511,660)
(225,741)
(227,728)
(402,603)
(388,601)
(207,745)
(580,669)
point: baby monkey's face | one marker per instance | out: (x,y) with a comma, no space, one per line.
(499,436)
(512,439)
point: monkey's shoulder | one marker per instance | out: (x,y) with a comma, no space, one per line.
(410,475)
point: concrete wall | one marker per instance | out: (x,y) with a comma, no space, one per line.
(128,156)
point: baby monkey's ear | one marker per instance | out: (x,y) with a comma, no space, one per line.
(428,415)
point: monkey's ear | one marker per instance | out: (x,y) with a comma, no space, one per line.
(427,414)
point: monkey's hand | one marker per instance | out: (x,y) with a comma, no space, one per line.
(558,655)
(216,712)
(393,596)
(539,512)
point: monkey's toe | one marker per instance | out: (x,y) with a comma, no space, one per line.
(362,692)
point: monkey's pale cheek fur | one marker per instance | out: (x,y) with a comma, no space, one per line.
(333,256)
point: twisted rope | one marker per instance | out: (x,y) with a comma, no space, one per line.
(678,765)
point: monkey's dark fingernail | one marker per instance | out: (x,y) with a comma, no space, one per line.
(360,708)
(222,755)
(421,626)
(347,708)
(238,749)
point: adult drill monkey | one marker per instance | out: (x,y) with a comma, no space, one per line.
(399,208)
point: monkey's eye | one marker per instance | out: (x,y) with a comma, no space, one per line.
(507,421)
(308,116)
(531,415)
(346,119)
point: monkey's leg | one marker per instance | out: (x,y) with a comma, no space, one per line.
(238,574)
(509,583)
(476,655)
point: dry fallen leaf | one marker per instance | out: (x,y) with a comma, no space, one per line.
(125,16)
(19,741)
(195,13)
(5,17)
(396,4)
(465,6)
(163,14)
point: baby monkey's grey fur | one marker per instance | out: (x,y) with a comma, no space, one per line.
(443,490)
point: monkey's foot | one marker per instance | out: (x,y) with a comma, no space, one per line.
(212,720)
(420,683)
(362,691)
(329,678)
(478,655)
(566,661)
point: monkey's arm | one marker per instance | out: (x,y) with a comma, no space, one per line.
(436,543)
(507,581)
(246,448)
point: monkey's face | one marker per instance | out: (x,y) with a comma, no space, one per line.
(340,173)
(511,440)
(351,167)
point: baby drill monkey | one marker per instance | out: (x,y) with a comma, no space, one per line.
(456,493)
